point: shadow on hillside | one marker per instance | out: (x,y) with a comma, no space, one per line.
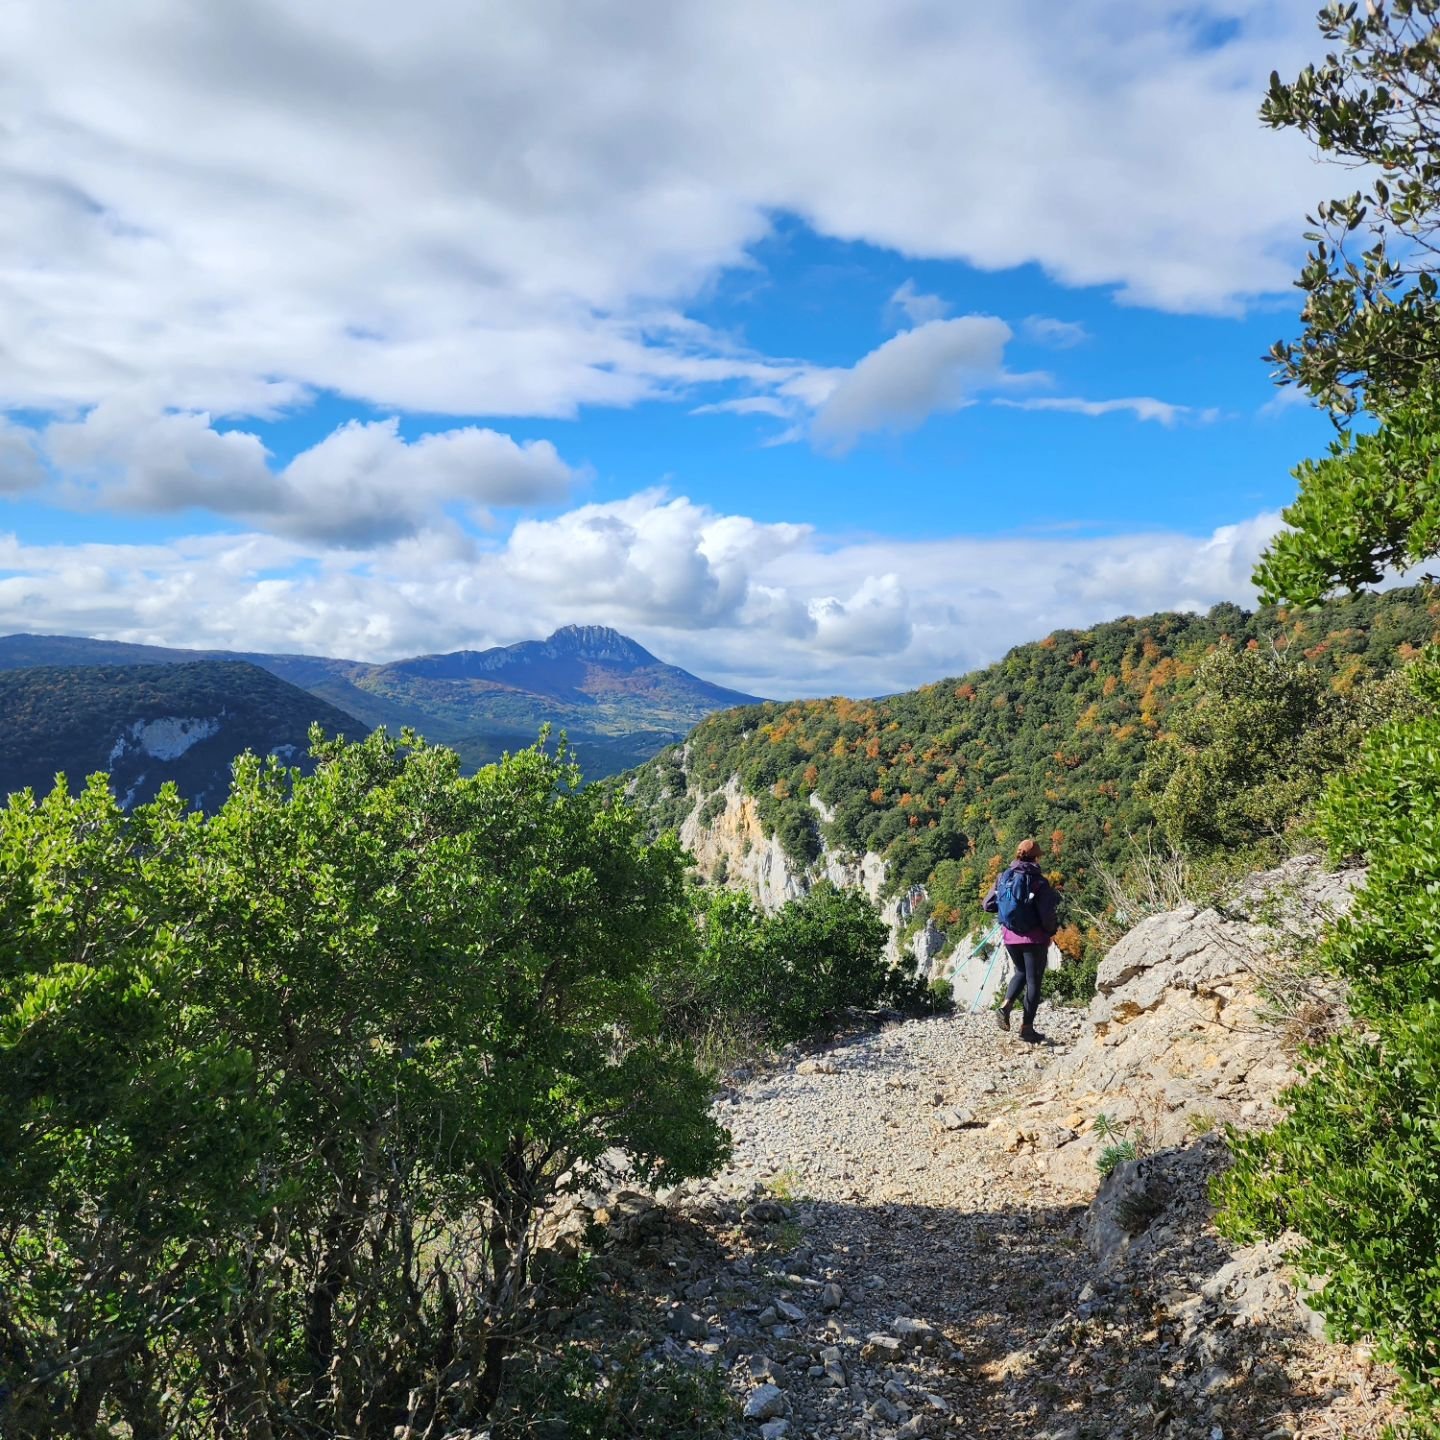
(1031,1357)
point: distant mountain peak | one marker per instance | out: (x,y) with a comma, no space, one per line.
(615,700)
(597,642)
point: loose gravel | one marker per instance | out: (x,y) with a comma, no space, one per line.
(894,1252)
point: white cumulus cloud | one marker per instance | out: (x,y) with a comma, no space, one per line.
(773,609)
(232,207)
(364,484)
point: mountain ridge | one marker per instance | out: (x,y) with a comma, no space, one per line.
(921,796)
(616,701)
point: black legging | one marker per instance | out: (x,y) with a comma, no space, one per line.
(1029,962)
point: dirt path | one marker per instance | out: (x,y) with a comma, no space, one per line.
(898,1250)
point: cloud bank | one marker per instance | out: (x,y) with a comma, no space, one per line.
(363,485)
(777,609)
(229,207)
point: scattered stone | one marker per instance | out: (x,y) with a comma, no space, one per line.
(765,1212)
(956,1118)
(831,1297)
(688,1325)
(915,1334)
(766,1402)
(821,1065)
(775,1430)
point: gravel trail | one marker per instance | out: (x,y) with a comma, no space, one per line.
(884,1143)
(903,1245)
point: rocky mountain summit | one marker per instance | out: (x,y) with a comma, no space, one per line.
(570,643)
(913,1237)
(617,702)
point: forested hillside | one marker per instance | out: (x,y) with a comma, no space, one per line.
(146,724)
(944,780)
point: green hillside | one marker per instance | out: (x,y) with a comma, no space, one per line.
(945,780)
(146,724)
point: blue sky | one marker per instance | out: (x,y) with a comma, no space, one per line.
(818,350)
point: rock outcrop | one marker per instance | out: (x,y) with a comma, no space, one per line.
(1188,1029)
(732,840)
(729,843)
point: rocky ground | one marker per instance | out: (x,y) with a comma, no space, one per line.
(913,1238)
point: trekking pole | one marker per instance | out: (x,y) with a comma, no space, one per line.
(992,934)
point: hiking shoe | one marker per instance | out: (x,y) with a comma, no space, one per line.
(1030,1035)
(1002,1019)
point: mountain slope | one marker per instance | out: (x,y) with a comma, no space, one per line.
(940,783)
(618,703)
(145,724)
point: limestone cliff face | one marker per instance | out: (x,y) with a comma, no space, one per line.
(735,840)
(757,863)
(733,843)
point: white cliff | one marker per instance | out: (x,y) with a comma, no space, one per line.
(731,847)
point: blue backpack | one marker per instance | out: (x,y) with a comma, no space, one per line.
(1016,902)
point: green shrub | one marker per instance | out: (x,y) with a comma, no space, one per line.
(1073,983)
(1353,1166)
(1123,1144)
(781,977)
(283,1090)
(1251,746)
(622,1395)
(713,808)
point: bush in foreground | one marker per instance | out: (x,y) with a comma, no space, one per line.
(1353,1167)
(282,1092)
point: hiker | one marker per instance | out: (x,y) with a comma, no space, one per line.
(1026,903)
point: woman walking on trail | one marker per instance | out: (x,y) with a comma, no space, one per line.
(1026,903)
